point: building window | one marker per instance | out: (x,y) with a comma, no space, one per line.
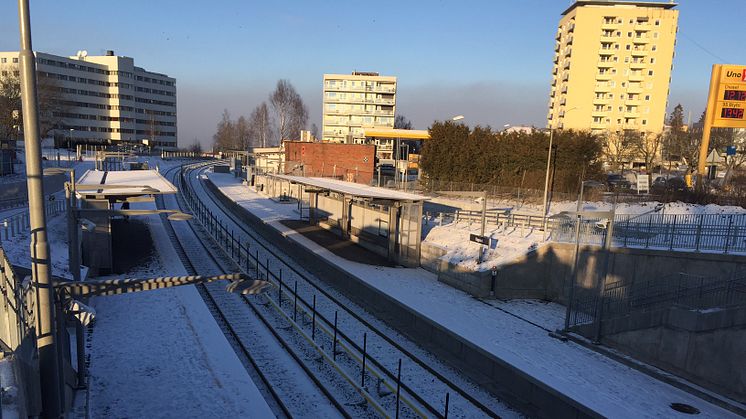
(15,60)
(628,47)
(652,61)
(644,122)
(657,22)
(650,72)
(654,48)
(629,34)
(3,60)
(647,97)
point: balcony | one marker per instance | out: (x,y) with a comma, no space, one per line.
(606,63)
(636,77)
(598,125)
(637,64)
(604,76)
(633,102)
(568,51)
(380,89)
(609,25)
(602,87)
(601,101)
(569,40)
(566,66)
(641,40)
(340,88)
(631,114)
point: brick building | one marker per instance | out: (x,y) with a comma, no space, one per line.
(350,162)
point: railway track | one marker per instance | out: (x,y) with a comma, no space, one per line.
(427,387)
(283,377)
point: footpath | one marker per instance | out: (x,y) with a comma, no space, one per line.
(599,384)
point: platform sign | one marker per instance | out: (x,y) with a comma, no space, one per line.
(730,102)
(476,238)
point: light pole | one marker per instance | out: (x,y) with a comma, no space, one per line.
(45,311)
(549,162)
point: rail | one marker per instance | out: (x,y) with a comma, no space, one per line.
(338,340)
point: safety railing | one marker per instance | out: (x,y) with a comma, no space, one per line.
(17,224)
(17,309)
(303,313)
(717,233)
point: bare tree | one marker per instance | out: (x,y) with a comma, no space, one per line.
(196,147)
(260,126)
(401,122)
(290,110)
(225,137)
(52,109)
(315,132)
(647,146)
(617,148)
(243,133)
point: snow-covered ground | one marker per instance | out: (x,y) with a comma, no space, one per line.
(604,385)
(156,353)
(161,354)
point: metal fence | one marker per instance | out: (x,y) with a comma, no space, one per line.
(718,233)
(19,223)
(18,307)
(680,289)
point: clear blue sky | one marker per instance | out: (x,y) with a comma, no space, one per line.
(489,60)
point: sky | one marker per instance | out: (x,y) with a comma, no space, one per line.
(489,60)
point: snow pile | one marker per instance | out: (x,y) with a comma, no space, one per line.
(505,244)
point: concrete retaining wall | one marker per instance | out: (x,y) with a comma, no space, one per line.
(704,347)
(506,382)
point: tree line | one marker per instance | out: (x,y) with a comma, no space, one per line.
(281,117)
(458,153)
(51,106)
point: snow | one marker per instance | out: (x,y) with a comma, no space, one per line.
(351,188)
(156,353)
(512,243)
(602,384)
(135,178)
(161,354)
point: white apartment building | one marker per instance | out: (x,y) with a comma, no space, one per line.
(357,101)
(105,99)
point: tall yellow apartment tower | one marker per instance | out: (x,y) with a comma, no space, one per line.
(612,66)
(356,101)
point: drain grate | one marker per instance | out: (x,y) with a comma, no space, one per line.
(684,408)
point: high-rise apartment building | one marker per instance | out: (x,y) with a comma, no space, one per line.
(105,99)
(355,102)
(612,66)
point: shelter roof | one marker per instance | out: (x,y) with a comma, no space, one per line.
(126,182)
(352,189)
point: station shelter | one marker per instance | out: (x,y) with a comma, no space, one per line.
(384,221)
(117,190)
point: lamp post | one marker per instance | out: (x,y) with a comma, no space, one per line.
(549,161)
(40,261)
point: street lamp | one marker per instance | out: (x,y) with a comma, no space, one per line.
(549,161)
(457,118)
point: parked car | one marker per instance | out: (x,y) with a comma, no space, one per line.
(662,185)
(617,181)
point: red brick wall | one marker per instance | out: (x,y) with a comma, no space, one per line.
(354,162)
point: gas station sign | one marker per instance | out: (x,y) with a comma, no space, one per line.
(726,105)
(730,102)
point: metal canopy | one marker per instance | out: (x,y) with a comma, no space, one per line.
(351,189)
(124,183)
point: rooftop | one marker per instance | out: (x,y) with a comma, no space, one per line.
(121,180)
(662,5)
(352,189)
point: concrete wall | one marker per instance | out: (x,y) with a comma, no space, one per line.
(522,391)
(16,191)
(706,347)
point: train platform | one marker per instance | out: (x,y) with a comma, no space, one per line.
(598,383)
(160,353)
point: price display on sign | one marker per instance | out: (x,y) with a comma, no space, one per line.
(730,100)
